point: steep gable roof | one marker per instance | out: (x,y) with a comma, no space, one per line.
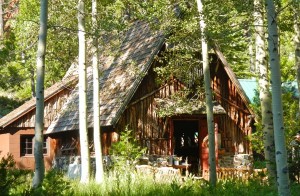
(120,79)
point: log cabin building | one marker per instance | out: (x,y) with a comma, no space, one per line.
(131,96)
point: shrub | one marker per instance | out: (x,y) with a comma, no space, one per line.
(126,151)
(10,177)
(55,183)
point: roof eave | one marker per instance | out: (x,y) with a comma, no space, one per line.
(32,106)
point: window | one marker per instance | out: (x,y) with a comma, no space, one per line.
(27,145)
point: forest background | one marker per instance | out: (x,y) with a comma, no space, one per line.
(230,26)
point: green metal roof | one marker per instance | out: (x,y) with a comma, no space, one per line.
(249,86)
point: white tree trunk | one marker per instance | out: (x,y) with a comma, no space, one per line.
(39,115)
(96,99)
(280,147)
(264,93)
(208,97)
(83,130)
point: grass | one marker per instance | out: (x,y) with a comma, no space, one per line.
(129,183)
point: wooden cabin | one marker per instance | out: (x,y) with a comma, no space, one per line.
(17,127)
(130,96)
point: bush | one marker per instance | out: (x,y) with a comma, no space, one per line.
(126,151)
(10,177)
(55,183)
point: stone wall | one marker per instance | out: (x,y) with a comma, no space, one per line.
(243,161)
(226,160)
(239,161)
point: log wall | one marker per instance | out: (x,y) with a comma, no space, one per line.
(141,115)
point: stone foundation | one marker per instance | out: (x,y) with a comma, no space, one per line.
(238,161)
(226,160)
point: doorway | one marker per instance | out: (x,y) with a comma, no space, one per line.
(186,142)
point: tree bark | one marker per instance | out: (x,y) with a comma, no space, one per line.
(32,82)
(208,98)
(39,115)
(280,147)
(264,92)
(83,131)
(96,99)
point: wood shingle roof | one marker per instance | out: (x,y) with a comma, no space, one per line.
(119,80)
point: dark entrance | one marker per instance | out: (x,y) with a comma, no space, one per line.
(186,137)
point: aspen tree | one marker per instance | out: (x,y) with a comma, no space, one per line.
(39,172)
(208,98)
(96,98)
(83,130)
(280,146)
(264,92)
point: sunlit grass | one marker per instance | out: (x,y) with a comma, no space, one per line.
(132,184)
(129,182)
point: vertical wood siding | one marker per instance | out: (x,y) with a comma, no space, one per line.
(155,133)
(234,127)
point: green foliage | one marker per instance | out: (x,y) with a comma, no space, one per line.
(7,105)
(126,151)
(292,126)
(179,20)
(259,164)
(230,27)
(142,186)
(10,177)
(19,56)
(132,183)
(257,136)
(6,164)
(54,183)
